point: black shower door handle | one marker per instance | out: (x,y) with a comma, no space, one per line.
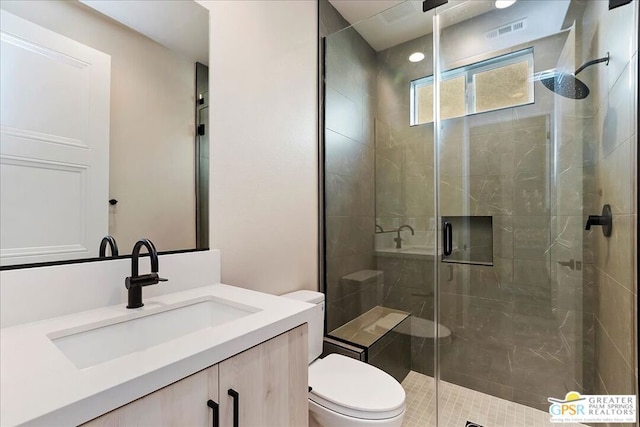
(447,238)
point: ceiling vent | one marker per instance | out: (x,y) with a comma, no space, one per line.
(400,12)
(505,30)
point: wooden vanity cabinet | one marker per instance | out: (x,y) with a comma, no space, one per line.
(182,403)
(270,380)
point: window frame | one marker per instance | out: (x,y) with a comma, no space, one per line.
(470,71)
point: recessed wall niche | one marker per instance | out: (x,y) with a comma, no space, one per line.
(472,240)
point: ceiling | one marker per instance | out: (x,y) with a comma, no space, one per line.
(181,26)
(387,23)
(356,11)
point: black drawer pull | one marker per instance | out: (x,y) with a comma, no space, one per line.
(216,413)
(236,405)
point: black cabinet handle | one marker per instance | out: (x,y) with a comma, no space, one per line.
(236,405)
(447,238)
(216,413)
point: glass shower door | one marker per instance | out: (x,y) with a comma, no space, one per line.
(379,206)
(521,161)
(457,190)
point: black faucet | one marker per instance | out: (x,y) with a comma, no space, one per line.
(135,283)
(398,239)
(108,240)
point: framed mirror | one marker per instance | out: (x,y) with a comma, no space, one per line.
(104,128)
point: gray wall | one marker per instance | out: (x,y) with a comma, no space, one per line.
(404,187)
(610,159)
(349,168)
(527,327)
(404,154)
(514,335)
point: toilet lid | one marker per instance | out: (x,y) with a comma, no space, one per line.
(354,388)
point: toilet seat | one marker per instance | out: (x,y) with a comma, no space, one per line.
(356,389)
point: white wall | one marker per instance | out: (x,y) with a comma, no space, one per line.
(264,174)
(32,294)
(264,212)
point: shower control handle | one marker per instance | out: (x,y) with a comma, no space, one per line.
(605,220)
(571,264)
(447,238)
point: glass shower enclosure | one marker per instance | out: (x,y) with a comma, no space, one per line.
(480,202)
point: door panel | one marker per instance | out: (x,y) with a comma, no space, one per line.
(555,313)
(54,128)
(183,403)
(271,383)
(518,317)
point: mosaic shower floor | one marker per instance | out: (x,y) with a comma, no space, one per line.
(459,405)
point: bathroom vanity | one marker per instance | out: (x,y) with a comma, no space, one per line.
(269,382)
(176,360)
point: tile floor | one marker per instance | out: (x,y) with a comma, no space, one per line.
(459,405)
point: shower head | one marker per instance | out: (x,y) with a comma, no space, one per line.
(568,85)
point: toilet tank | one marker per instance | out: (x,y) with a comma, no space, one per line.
(316,323)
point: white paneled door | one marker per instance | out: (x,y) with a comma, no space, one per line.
(54,149)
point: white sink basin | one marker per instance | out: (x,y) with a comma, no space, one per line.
(100,342)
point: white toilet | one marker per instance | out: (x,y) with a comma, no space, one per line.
(344,391)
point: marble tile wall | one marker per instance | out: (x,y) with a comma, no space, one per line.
(330,19)
(517,333)
(528,327)
(404,154)
(349,167)
(404,187)
(512,336)
(610,133)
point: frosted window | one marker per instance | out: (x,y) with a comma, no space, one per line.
(500,82)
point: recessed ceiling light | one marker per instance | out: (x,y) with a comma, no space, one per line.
(503,4)
(416,57)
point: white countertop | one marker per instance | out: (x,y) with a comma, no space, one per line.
(40,386)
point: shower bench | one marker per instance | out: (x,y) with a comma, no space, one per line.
(374,338)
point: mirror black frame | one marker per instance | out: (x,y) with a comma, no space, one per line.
(83,260)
